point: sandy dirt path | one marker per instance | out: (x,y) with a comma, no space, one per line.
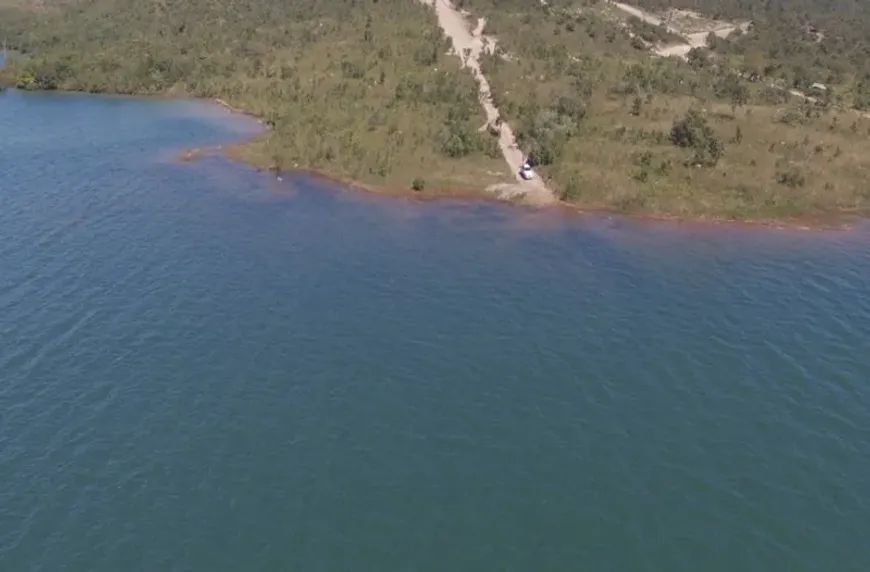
(699,39)
(695,40)
(473,43)
(638,13)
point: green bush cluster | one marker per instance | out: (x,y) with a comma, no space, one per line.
(693,132)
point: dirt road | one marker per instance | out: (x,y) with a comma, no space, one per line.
(694,40)
(473,43)
(699,39)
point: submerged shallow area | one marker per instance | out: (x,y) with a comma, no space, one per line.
(205,368)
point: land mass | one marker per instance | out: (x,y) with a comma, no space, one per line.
(717,109)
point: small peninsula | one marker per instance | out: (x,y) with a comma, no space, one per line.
(712,109)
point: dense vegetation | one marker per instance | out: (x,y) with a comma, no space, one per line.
(364,89)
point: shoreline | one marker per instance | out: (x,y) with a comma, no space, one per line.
(831,221)
(820,222)
(842,221)
(237,110)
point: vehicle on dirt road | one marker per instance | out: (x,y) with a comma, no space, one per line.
(526,172)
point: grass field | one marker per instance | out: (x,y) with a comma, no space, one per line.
(608,119)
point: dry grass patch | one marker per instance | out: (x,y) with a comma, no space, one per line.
(769,169)
(599,114)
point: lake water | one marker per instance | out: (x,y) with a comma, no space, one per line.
(206,369)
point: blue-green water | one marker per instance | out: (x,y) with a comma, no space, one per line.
(206,369)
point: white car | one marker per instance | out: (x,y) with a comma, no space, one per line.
(526,172)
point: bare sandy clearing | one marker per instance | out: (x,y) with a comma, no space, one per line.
(687,24)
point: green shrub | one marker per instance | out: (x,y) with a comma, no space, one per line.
(693,132)
(791,178)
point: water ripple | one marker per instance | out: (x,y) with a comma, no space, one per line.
(198,373)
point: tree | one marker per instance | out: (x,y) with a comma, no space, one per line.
(734,90)
(367,35)
(800,78)
(693,132)
(711,40)
(791,178)
(636,106)
(457,140)
(861,98)
(753,65)
(698,58)
(828,97)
